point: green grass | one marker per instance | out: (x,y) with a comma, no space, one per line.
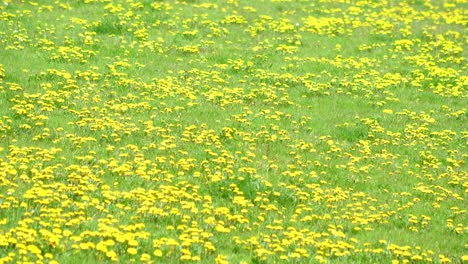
(246,131)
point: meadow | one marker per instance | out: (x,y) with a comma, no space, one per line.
(233,131)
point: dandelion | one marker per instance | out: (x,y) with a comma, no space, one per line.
(158,253)
(132,251)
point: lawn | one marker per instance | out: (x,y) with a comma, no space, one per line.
(233,131)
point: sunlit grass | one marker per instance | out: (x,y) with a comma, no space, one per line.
(233,131)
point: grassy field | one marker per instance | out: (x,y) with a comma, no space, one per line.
(233,131)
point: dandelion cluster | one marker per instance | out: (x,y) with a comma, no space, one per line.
(233,131)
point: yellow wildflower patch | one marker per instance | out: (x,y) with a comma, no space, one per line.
(233,131)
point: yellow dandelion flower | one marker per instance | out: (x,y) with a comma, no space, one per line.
(132,251)
(158,253)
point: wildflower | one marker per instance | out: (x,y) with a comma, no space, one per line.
(132,251)
(158,253)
